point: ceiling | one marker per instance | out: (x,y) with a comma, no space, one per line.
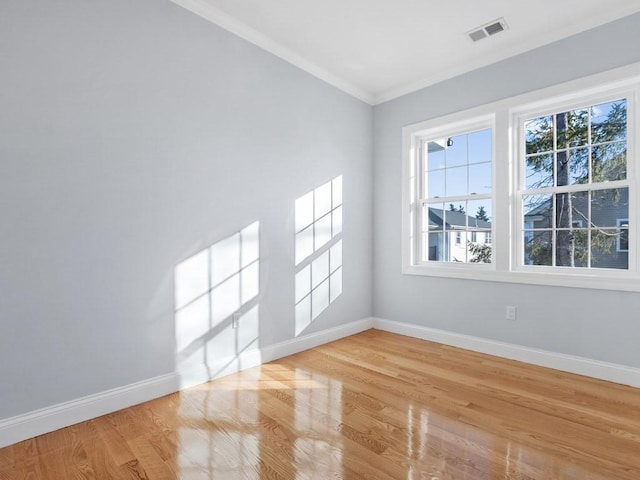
(377,50)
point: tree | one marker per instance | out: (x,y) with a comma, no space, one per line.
(589,146)
(481,252)
(453,208)
(481,214)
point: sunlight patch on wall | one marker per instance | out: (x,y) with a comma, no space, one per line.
(318,225)
(216,299)
(318,218)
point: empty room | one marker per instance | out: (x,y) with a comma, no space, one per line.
(258,239)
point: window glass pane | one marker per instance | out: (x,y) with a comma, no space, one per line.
(456,151)
(480,149)
(573,128)
(609,122)
(456,181)
(603,250)
(538,211)
(565,248)
(609,162)
(578,159)
(480,213)
(539,172)
(537,248)
(538,134)
(435,183)
(435,156)
(480,178)
(607,206)
(435,247)
(480,251)
(581,241)
(562,168)
(572,210)
(456,252)
(580,216)
(435,217)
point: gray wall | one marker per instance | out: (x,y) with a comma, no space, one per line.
(134,134)
(598,324)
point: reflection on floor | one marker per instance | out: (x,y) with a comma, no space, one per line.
(375,406)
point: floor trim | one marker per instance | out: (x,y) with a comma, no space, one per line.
(29,425)
(252,358)
(567,363)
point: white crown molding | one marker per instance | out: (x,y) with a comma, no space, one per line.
(207,11)
(38,422)
(567,363)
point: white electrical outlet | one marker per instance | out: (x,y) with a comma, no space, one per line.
(511,312)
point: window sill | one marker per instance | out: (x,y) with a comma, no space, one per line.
(602,280)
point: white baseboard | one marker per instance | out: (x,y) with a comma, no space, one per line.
(28,425)
(253,358)
(32,424)
(568,363)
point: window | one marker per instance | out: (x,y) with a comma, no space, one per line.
(575,185)
(455,194)
(539,188)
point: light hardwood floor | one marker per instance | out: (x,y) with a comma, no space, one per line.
(372,406)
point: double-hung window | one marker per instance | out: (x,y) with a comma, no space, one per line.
(574,186)
(453,205)
(541,188)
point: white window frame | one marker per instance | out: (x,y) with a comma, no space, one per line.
(507,256)
(553,106)
(417,139)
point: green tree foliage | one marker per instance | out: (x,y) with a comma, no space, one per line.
(481,252)
(481,214)
(453,208)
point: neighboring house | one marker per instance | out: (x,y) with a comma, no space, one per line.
(451,232)
(602,229)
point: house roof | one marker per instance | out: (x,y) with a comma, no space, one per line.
(452,219)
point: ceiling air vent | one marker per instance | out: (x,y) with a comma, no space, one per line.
(487,30)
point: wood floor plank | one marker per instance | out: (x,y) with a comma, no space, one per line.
(371,406)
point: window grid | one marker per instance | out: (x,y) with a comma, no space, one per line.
(429,238)
(563,238)
(511,185)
